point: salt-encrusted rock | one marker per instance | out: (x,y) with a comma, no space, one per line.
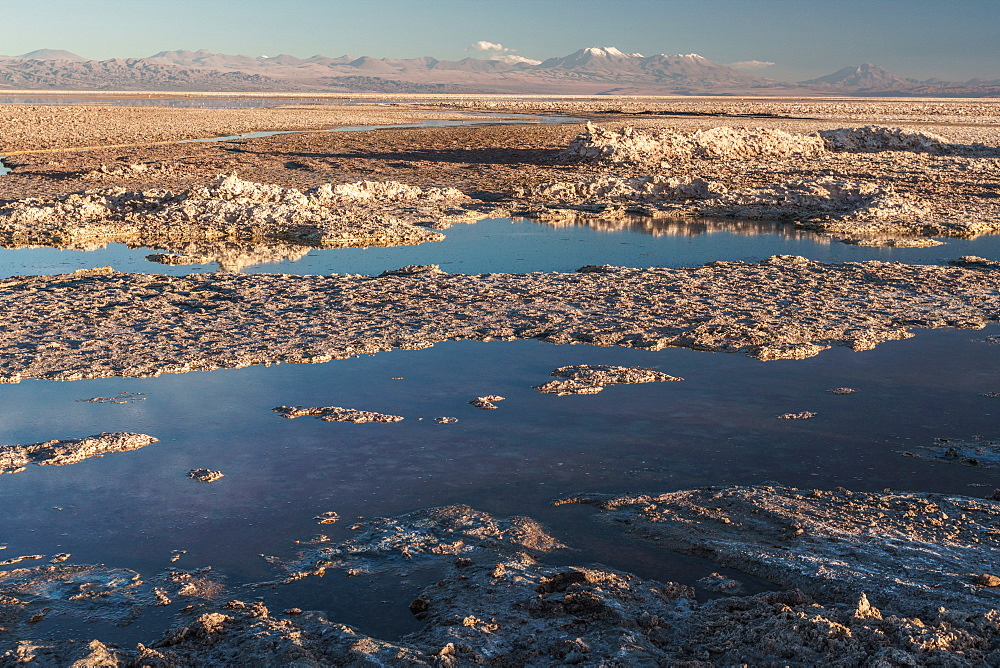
(383,191)
(592,378)
(891,242)
(335,414)
(145,325)
(721,583)
(879,138)
(804,415)
(909,552)
(435,534)
(977,451)
(416,270)
(230,209)
(974,261)
(14,458)
(629,145)
(206,475)
(92,593)
(811,198)
(486,403)
(636,188)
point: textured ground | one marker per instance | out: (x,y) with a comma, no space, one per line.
(889,579)
(860,579)
(100,323)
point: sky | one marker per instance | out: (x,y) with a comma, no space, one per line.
(789,40)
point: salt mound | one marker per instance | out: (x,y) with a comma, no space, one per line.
(230,209)
(878,138)
(631,145)
(726,142)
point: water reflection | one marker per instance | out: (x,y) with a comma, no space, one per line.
(503,245)
(161,101)
(717,427)
(684,226)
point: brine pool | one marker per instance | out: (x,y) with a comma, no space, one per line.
(505,245)
(718,426)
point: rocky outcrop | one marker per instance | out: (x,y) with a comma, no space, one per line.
(14,458)
(879,138)
(335,414)
(911,553)
(230,209)
(436,534)
(632,189)
(893,579)
(592,378)
(629,145)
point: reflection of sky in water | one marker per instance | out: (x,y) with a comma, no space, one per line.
(502,245)
(717,427)
(165,101)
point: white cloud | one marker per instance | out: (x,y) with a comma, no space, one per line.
(483,45)
(751,65)
(514,60)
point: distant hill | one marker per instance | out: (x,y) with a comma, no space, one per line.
(869,79)
(865,77)
(591,71)
(51,54)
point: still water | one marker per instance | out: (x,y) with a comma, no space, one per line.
(717,427)
(516,245)
(167,101)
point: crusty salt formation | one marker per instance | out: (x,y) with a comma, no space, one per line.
(629,145)
(858,212)
(14,458)
(879,138)
(145,325)
(635,188)
(592,378)
(335,414)
(230,209)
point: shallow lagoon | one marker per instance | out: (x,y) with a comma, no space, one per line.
(504,245)
(717,427)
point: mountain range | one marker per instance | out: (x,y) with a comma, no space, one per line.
(589,71)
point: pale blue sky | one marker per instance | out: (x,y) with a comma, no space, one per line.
(954,40)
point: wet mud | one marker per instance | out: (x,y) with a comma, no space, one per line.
(861,579)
